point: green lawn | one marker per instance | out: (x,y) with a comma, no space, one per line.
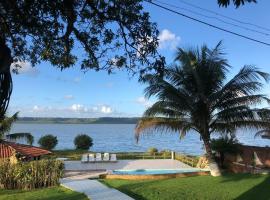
(240,187)
(54,193)
(72,154)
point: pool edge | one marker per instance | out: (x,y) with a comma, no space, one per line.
(153,176)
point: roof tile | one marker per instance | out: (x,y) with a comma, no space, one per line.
(8,148)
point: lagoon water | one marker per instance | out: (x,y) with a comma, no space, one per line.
(120,137)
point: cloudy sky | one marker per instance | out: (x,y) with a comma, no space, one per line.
(44,91)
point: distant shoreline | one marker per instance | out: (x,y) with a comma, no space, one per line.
(101,120)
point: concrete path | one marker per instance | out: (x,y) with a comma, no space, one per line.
(94,190)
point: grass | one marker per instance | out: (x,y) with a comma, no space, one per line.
(72,154)
(231,186)
(53,193)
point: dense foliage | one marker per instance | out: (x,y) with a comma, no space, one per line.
(110,34)
(83,141)
(30,175)
(237,3)
(195,95)
(152,150)
(225,145)
(48,141)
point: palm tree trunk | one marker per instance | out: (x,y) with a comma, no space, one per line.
(5,77)
(214,168)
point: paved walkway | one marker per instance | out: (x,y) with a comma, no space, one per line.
(94,190)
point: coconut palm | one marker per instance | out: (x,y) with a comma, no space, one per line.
(5,126)
(194,94)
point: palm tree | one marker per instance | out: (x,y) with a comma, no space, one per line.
(237,3)
(5,126)
(194,94)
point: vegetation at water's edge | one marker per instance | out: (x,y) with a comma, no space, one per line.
(83,141)
(102,120)
(52,193)
(48,141)
(231,186)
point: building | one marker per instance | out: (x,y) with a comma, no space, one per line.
(12,151)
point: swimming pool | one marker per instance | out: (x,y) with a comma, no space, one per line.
(155,171)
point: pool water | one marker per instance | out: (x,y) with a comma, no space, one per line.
(155,171)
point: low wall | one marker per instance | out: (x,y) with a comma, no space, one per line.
(153,176)
(245,162)
(247,155)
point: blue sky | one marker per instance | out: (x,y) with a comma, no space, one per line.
(45,91)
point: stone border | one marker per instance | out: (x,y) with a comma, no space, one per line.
(153,176)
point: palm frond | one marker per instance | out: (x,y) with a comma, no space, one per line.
(160,124)
(6,123)
(194,94)
(16,136)
(263,133)
(166,108)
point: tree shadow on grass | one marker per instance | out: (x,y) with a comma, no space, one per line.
(261,191)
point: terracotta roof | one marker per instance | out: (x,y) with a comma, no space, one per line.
(8,148)
(6,151)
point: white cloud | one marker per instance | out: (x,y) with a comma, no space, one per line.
(143,101)
(69,96)
(168,40)
(36,108)
(74,110)
(106,109)
(24,67)
(77,107)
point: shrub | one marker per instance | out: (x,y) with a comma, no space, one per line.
(83,141)
(225,145)
(48,141)
(165,152)
(30,175)
(152,150)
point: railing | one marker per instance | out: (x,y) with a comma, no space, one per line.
(142,155)
(189,160)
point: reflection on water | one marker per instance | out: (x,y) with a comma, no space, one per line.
(120,137)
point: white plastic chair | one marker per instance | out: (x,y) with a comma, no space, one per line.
(98,157)
(113,158)
(84,158)
(106,157)
(91,157)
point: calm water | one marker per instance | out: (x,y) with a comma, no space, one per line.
(120,137)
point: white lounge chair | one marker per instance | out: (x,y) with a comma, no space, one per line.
(106,157)
(113,158)
(84,158)
(98,157)
(91,157)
